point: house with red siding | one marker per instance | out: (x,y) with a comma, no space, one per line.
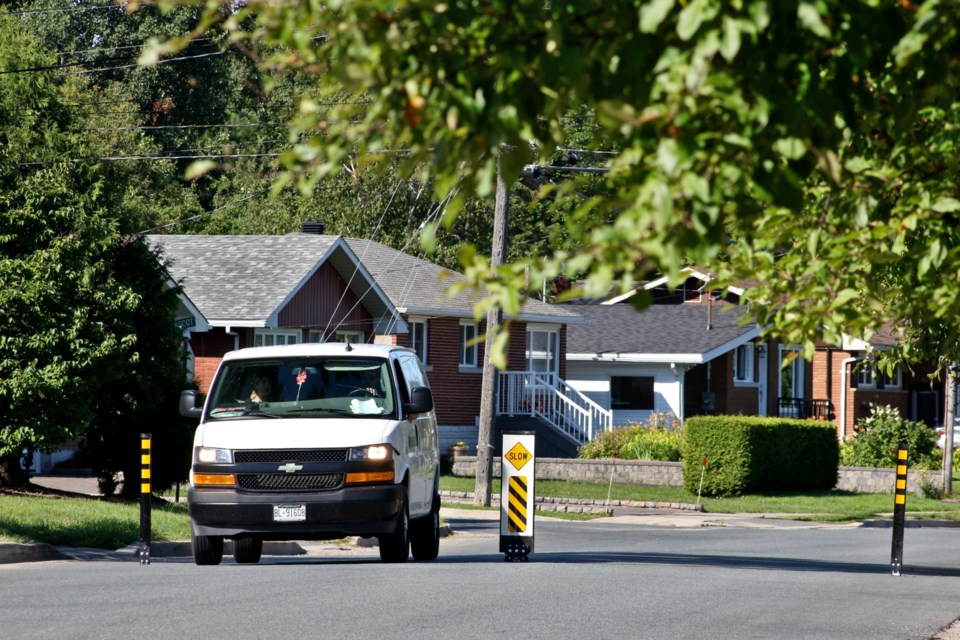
(693,351)
(309,287)
(844,380)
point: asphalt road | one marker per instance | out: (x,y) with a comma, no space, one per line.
(633,577)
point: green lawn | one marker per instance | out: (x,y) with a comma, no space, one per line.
(107,524)
(828,506)
(85,522)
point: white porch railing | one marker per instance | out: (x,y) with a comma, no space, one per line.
(547,397)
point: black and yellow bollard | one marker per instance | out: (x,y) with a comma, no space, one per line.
(145,502)
(899,510)
(517,495)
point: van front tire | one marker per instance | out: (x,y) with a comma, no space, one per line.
(425,533)
(207,550)
(395,547)
(247,550)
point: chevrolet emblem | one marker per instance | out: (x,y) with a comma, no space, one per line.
(290,467)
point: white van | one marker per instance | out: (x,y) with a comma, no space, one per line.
(315,442)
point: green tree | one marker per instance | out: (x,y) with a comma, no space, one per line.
(87,324)
(145,399)
(822,132)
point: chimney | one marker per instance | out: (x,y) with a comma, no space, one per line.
(313,228)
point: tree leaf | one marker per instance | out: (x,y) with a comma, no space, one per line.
(730,39)
(668,156)
(810,18)
(946,205)
(198,169)
(790,148)
(690,19)
(653,13)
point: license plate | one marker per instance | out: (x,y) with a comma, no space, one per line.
(289,512)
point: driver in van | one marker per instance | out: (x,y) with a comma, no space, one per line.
(261,390)
(371,383)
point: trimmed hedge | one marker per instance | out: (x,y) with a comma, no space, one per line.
(754,455)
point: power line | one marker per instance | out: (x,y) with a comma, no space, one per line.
(119,47)
(139,66)
(74,9)
(67,65)
(188,126)
(150,158)
(204,214)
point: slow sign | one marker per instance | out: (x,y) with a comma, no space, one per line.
(516,495)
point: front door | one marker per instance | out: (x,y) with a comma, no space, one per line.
(791,381)
(762,376)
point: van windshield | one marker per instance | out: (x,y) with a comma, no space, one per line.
(303,387)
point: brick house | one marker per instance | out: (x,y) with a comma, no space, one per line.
(262,290)
(743,373)
(842,379)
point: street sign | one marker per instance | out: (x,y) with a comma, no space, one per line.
(518,456)
(185,323)
(517,495)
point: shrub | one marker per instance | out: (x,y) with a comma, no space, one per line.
(661,438)
(878,436)
(752,454)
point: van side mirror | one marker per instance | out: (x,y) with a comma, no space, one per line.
(421,401)
(188,404)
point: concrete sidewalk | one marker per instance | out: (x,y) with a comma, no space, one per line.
(82,484)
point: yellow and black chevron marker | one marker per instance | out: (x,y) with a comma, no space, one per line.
(518,474)
(517,509)
(899,510)
(145,493)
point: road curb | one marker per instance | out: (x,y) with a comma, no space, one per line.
(11,552)
(575,505)
(15,552)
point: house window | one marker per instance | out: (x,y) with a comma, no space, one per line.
(743,363)
(418,338)
(270,337)
(631,393)
(870,378)
(542,350)
(468,348)
(350,337)
(353,337)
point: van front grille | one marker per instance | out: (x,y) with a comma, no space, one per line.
(289,455)
(290,481)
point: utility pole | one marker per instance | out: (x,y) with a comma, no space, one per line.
(488,388)
(949,415)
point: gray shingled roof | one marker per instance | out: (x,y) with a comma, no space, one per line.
(244,280)
(416,286)
(660,330)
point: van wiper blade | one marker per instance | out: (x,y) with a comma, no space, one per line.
(260,414)
(339,412)
(236,412)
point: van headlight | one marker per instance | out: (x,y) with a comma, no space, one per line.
(373,452)
(209,454)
